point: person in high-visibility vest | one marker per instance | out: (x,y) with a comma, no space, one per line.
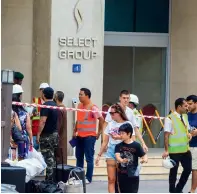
(36,114)
(86,132)
(133,103)
(176,143)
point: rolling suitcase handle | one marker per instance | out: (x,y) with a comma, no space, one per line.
(56,162)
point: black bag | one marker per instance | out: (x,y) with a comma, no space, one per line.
(34,186)
(17,134)
(49,187)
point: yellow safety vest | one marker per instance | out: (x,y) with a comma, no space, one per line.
(178,141)
(36,117)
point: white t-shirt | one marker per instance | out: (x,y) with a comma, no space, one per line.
(113,128)
(130,116)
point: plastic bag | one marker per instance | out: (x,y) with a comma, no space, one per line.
(7,188)
(133,171)
(33,167)
(37,155)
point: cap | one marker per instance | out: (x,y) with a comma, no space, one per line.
(48,92)
(18,75)
(17,89)
(43,85)
(134,99)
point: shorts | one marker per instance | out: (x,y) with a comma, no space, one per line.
(111,152)
(194,157)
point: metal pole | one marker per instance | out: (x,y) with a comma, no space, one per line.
(6,107)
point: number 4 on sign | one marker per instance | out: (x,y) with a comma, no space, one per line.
(76,68)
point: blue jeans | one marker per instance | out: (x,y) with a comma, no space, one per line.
(36,146)
(85,145)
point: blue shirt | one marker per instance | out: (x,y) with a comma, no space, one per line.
(193,123)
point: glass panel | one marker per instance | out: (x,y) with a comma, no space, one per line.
(149,83)
(152,16)
(119,15)
(137,16)
(117,72)
(141,71)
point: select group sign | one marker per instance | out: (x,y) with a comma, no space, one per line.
(74,52)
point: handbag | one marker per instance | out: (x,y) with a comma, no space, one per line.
(73,185)
(17,134)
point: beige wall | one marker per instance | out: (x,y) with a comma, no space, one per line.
(17,29)
(183,33)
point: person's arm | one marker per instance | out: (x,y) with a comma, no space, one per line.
(139,136)
(137,132)
(167,132)
(117,155)
(75,130)
(144,159)
(97,114)
(100,128)
(43,117)
(41,124)
(17,121)
(141,153)
(103,147)
(28,127)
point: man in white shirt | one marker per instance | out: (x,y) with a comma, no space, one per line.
(176,139)
(124,102)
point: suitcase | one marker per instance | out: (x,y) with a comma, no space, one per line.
(10,175)
(61,173)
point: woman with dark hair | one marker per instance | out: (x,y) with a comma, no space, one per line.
(111,139)
(25,122)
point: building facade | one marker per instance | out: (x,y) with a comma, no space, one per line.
(146,46)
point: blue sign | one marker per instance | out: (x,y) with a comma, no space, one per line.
(76,68)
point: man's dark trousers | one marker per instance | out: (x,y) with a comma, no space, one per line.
(186,161)
(85,146)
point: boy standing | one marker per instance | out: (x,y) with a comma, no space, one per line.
(127,153)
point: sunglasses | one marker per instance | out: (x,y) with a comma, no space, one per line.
(112,113)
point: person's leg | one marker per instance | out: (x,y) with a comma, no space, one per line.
(122,182)
(194,170)
(186,162)
(89,143)
(111,172)
(79,152)
(36,146)
(134,185)
(46,148)
(173,173)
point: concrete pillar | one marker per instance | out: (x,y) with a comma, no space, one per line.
(183,49)
(80,24)
(41,43)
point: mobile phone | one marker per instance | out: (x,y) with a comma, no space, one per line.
(192,128)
